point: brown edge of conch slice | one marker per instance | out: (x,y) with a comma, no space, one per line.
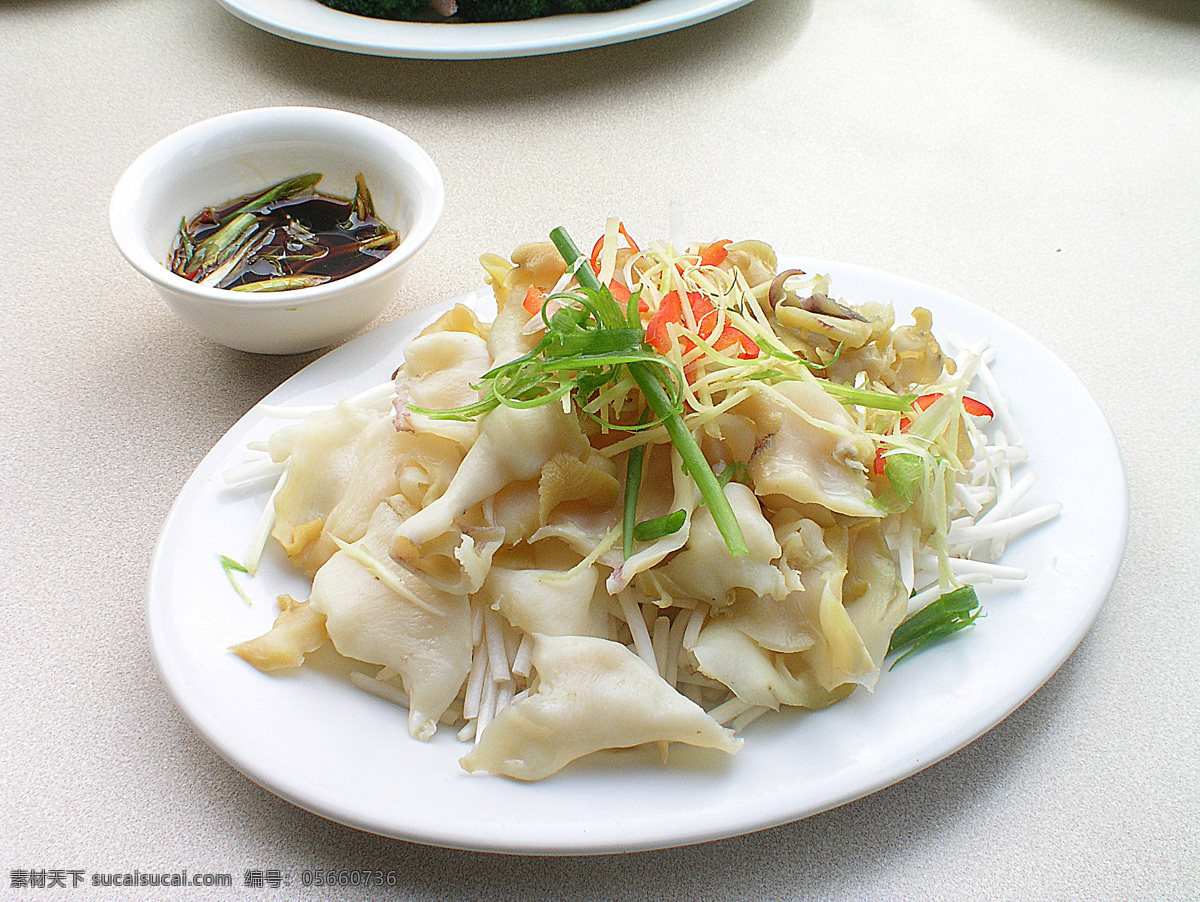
(298,630)
(536,263)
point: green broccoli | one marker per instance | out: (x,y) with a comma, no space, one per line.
(504,10)
(593,6)
(379,9)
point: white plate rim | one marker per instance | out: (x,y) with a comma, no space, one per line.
(309,22)
(1076,580)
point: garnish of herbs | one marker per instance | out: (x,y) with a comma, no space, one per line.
(591,343)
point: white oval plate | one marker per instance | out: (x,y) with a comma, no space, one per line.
(317,741)
(309,22)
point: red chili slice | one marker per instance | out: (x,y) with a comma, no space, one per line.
(670,310)
(880,461)
(534,299)
(977,408)
(970,405)
(715,253)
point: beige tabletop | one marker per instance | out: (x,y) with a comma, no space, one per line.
(1039,158)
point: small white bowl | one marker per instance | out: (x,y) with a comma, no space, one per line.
(228,156)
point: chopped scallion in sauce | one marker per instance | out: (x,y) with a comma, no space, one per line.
(286,236)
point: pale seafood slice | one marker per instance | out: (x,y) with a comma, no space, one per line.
(298,630)
(552,602)
(420,632)
(342,463)
(591,694)
(811,450)
(705,569)
(513,445)
(439,371)
(758,676)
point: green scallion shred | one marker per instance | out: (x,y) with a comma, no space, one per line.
(633,312)
(589,343)
(771,351)
(863,397)
(230,566)
(650,530)
(935,622)
(905,471)
(633,485)
(737,471)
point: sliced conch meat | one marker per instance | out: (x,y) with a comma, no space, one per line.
(812,451)
(421,632)
(298,630)
(591,694)
(341,464)
(513,444)
(439,370)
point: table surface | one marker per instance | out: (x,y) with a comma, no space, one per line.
(1039,158)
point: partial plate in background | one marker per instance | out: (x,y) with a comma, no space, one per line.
(310,22)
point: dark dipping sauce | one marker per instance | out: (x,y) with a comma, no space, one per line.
(285,237)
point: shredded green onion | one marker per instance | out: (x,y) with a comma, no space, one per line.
(230,566)
(589,343)
(650,530)
(735,472)
(649,374)
(583,351)
(863,397)
(633,484)
(771,351)
(905,471)
(936,621)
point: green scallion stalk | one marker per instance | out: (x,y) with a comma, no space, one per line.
(230,566)
(659,401)
(936,621)
(863,397)
(221,244)
(633,485)
(286,188)
(735,472)
(364,205)
(650,530)
(186,246)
